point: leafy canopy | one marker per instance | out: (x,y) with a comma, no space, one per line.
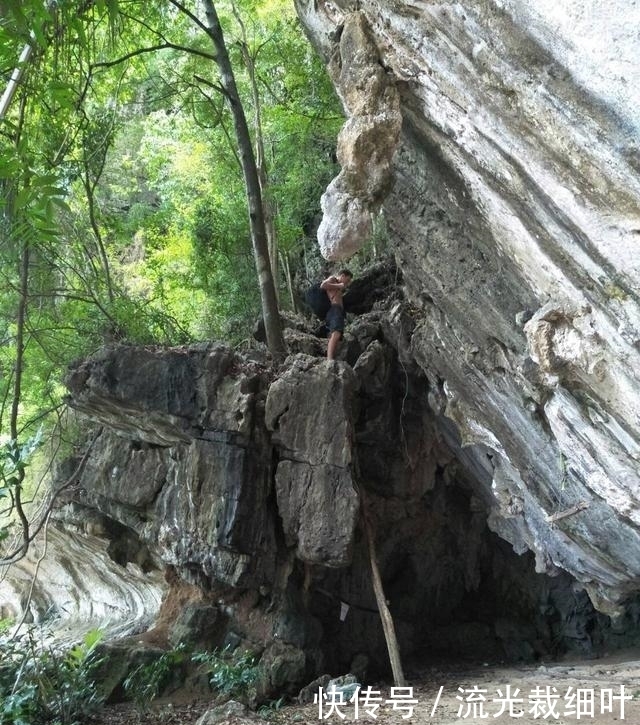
(122,205)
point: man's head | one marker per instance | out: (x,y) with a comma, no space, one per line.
(345,276)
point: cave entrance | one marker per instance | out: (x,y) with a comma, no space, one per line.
(457,592)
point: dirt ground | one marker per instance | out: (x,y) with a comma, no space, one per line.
(602,692)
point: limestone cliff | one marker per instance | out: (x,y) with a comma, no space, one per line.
(515,218)
(246,487)
(486,413)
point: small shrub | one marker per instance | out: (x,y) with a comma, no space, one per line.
(44,685)
(146,682)
(229,673)
(269,709)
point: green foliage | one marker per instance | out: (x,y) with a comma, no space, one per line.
(149,144)
(39,684)
(14,459)
(269,710)
(121,188)
(229,673)
(144,683)
(178,213)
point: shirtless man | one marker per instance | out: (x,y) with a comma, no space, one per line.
(335,287)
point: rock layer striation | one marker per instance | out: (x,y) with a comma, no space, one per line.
(515,219)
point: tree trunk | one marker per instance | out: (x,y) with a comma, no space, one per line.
(16,79)
(272,324)
(261,159)
(89,187)
(17,396)
(289,280)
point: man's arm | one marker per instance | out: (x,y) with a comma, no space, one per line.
(331,283)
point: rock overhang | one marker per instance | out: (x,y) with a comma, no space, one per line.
(514,215)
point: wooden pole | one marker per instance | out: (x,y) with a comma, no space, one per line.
(385,614)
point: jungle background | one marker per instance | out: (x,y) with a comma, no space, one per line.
(124,206)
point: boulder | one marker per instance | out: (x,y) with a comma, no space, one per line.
(310,413)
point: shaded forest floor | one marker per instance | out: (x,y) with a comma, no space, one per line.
(585,691)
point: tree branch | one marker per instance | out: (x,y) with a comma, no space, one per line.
(211,84)
(151,49)
(19,552)
(192,16)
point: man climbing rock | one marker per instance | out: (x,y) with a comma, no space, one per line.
(335,287)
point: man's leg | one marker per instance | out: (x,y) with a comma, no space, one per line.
(332,347)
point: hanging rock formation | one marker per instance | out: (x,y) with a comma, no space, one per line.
(515,217)
(366,143)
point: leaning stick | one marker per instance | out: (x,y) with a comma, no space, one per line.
(385,614)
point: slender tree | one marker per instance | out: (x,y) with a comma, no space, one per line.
(261,157)
(259,238)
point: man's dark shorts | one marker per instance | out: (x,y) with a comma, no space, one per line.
(335,318)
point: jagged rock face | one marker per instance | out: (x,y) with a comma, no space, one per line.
(228,478)
(190,470)
(265,517)
(310,415)
(514,216)
(167,397)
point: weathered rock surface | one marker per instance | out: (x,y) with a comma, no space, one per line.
(516,200)
(366,143)
(164,397)
(310,414)
(189,473)
(69,582)
(256,525)
(187,432)
(189,481)
(190,470)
